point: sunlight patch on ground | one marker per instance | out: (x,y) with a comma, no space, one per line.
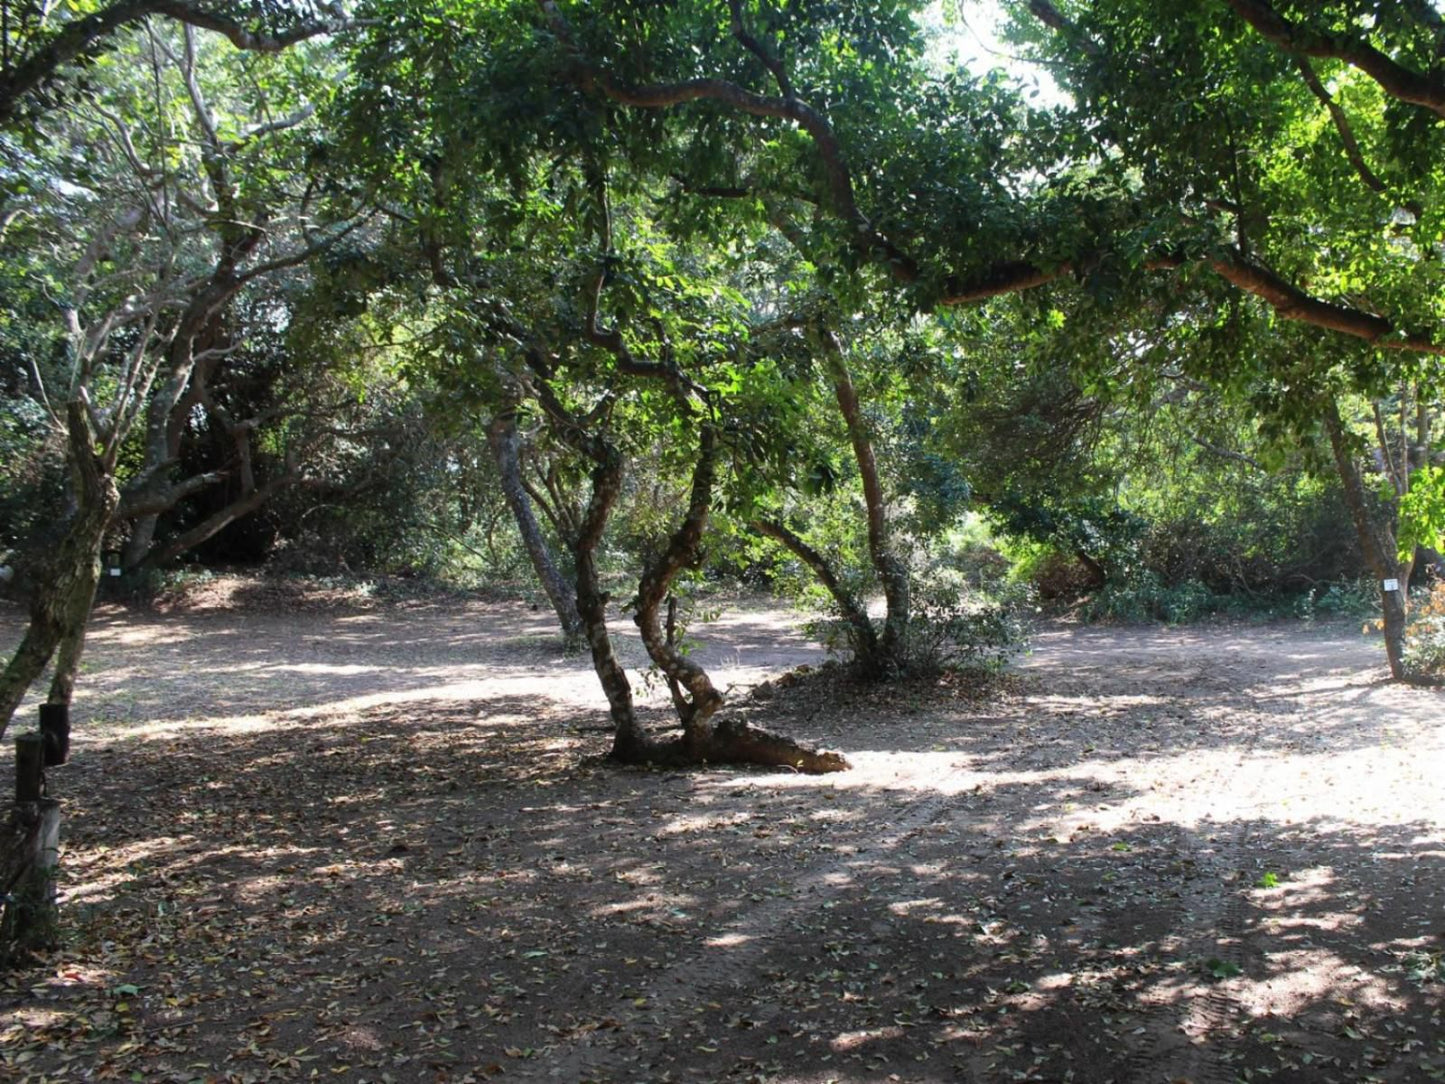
(332,669)
(147,636)
(117,861)
(729,940)
(904,908)
(1308,976)
(853,1040)
(703,822)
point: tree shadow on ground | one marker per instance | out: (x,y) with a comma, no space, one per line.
(1004,889)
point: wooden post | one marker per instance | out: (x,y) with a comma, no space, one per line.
(29,767)
(55,727)
(29,855)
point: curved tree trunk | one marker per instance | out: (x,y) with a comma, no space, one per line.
(65,587)
(865,637)
(703,700)
(730,741)
(892,573)
(890,570)
(628,736)
(503,441)
(1377,543)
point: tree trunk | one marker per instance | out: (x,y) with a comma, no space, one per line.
(892,573)
(142,536)
(1377,543)
(65,586)
(503,441)
(730,741)
(703,700)
(218,521)
(866,656)
(628,737)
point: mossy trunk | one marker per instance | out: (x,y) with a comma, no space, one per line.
(592,599)
(65,582)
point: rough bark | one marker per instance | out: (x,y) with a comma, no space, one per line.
(703,741)
(628,737)
(726,742)
(1377,543)
(65,584)
(502,439)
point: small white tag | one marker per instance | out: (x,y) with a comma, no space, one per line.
(116,572)
(1391,585)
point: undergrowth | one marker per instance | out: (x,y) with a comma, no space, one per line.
(1425,634)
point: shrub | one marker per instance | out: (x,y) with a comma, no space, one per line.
(956,626)
(1344,598)
(1425,634)
(1144,596)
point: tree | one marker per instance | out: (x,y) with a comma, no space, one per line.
(1077,223)
(145,242)
(551,282)
(39,41)
(1326,176)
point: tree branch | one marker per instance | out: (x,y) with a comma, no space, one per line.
(752,45)
(1342,126)
(85,37)
(820,130)
(1394,78)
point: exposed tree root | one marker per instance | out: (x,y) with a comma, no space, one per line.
(731,741)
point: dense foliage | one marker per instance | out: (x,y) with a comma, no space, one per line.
(620,292)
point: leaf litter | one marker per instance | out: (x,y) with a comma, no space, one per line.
(414,866)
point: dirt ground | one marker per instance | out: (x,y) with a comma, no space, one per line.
(309,842)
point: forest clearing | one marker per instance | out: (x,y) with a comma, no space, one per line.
(769,540)
(381,844)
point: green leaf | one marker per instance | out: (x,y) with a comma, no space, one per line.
(1222,969)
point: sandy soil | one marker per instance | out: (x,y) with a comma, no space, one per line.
(378,844)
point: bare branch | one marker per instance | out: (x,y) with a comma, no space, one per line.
(1342,126)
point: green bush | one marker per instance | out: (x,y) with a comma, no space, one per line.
(1344,598)
(1144,596)
(956,625)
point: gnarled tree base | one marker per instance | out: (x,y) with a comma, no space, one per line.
(732,741)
